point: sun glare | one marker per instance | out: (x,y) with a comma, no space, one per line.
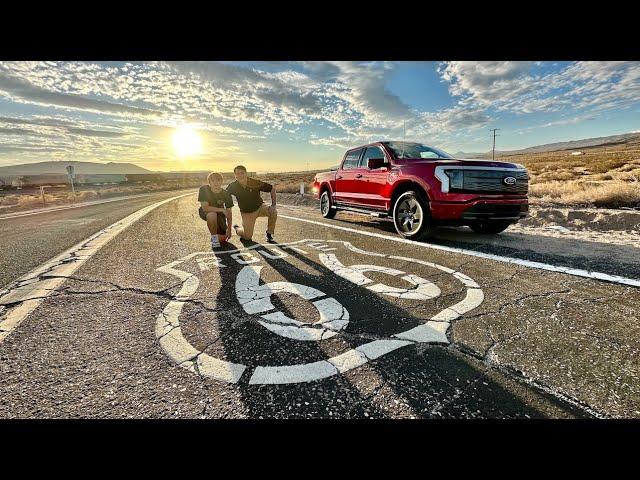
(186,142)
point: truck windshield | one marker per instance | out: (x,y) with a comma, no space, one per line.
(404,150)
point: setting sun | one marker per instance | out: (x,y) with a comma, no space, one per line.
(186,142)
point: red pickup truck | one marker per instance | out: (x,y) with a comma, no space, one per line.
(422,187)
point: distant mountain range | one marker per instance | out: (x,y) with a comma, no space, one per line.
(95,168)
(82,168)
(551,147)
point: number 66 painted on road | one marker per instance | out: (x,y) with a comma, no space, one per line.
(256,299)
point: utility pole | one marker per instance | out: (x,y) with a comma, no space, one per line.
(493,154)
(404,135)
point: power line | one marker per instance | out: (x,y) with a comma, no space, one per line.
(493,152)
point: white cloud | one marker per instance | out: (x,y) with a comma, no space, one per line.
(486,82)
(516,87)
(142,102)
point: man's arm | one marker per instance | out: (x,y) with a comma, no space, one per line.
(273,196)
(267,187)
(229,215)
(206,208)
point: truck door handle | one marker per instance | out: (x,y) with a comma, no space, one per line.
(359,175)
(338,177)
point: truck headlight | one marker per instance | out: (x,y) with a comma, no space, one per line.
(455,178)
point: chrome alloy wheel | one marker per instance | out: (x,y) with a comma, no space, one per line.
(409,215)
(324,204)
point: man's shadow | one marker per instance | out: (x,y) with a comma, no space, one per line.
(245,338)
(432,381)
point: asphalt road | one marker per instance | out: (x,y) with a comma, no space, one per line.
(28,241)
(329,323)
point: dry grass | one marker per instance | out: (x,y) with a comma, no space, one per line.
(605,194)
(606,176)
(289,182)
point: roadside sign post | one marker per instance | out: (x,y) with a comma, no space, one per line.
(301,188)
(44,203)
(71,174)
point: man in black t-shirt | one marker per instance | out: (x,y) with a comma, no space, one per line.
(247,192)
(215,208)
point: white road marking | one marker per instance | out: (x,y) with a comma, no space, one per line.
(38,211)
(378,348)
(25,294)
(169,334)
(306,372)
(255,299)
(634,282)
(274,253)
(425,290)
(238,257)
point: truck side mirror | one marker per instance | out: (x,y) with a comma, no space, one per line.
(374,163)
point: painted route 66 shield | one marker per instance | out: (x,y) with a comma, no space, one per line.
(303,311)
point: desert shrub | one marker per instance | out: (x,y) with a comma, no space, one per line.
(611,194)
(7,200)
(629,167)
(552,175)
(603,176)
(603,165)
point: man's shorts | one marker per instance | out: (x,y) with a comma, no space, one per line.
(222,220)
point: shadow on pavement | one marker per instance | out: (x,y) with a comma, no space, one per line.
(423,381)
(244,339)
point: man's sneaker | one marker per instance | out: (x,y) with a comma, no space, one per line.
(270,238)
(215,243)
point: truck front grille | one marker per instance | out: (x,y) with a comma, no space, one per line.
(492,181)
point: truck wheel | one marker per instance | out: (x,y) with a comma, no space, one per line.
(325,205)
(411,216)
(489,227)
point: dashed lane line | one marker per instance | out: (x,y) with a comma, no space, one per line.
(23,296)
(634,282)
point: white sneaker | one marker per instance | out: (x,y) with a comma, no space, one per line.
(215,243)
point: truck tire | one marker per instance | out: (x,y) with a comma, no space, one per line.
(325,205)
(489,227)
(411,216)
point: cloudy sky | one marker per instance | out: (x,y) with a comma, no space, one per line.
(277,116)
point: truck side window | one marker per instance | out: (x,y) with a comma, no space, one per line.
(351,160)
(372,152)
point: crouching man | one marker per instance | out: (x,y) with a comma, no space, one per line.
(215,208)
(247,192)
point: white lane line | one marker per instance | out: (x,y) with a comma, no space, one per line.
(634,282)
(21,297)
(27,213)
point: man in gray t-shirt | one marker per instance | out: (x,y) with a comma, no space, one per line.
(215,208)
